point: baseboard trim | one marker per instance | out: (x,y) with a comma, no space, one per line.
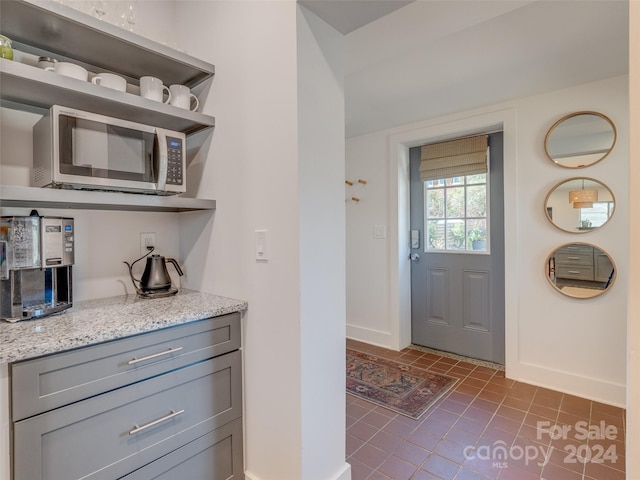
(579,385)
(344,473)
(368,335)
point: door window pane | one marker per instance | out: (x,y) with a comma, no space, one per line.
(477,201)
(456,214)
(435,203)
(455,235)
(435,235)
(455,202)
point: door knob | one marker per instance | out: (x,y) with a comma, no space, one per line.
(414,257)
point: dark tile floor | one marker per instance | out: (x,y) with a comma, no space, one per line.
(487,427)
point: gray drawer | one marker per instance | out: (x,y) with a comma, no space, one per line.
(575,271)
(52,381)
(97,438)
(576,248)
(215,456)
(574,258)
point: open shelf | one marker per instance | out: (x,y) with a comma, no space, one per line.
(30,197)
(58,29)
(28,85)
(48,28)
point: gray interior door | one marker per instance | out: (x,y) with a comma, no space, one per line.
(457,297)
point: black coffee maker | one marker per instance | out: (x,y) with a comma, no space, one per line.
(155,281)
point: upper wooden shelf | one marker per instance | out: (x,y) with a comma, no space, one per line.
(29,197)
(61,30)
(25,84)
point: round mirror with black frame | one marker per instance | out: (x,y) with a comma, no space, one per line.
(580,139)
(579,205)
(580,270)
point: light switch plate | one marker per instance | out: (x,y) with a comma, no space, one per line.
(379,231)
(261,246)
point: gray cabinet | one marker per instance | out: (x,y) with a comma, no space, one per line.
(155,405)
(583,262)
(575,261)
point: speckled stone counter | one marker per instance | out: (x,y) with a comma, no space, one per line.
(94,321)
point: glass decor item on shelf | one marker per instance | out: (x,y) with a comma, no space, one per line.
(5,48)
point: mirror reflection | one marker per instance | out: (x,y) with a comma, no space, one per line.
(580,139)
(580,270)
(579,205)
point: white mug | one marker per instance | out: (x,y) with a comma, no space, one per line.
(110,80)
(69,70)
(181,97)
(152,88)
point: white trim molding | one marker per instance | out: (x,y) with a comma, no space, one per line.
(400,268)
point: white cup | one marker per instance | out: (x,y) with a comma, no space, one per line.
(69,70)
(110,80)
(152,88)
(181,97)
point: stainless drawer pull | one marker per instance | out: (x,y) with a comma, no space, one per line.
(573,258)
(173,413)
(133,361)
(573,272)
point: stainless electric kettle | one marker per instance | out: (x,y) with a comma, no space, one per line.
(155,281)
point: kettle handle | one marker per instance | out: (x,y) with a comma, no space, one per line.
(175,264)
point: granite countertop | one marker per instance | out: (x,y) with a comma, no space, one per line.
(95,321)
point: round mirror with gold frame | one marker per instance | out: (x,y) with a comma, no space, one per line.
(580,270)
(579,205)
(580,139)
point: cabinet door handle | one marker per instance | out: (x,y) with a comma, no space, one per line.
(169,416)
(133,361)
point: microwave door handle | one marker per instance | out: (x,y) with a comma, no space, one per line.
(163,163)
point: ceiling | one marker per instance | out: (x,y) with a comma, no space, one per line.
(349,15)
(409,61)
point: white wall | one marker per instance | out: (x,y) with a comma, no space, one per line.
(322,247)
(633,330)
(275,162)
(592,363)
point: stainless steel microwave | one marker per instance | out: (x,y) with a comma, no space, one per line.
(83,150)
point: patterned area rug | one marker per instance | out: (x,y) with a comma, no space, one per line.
(399,387)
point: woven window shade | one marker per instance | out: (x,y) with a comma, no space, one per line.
(456,158)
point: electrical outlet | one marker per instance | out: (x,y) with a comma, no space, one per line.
(148,240)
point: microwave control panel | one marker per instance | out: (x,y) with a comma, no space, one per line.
(175,153)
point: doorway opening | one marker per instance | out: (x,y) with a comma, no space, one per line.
(399,220)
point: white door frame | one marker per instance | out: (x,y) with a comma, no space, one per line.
(400,267)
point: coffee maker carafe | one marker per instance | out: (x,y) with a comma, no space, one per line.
(36,259)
